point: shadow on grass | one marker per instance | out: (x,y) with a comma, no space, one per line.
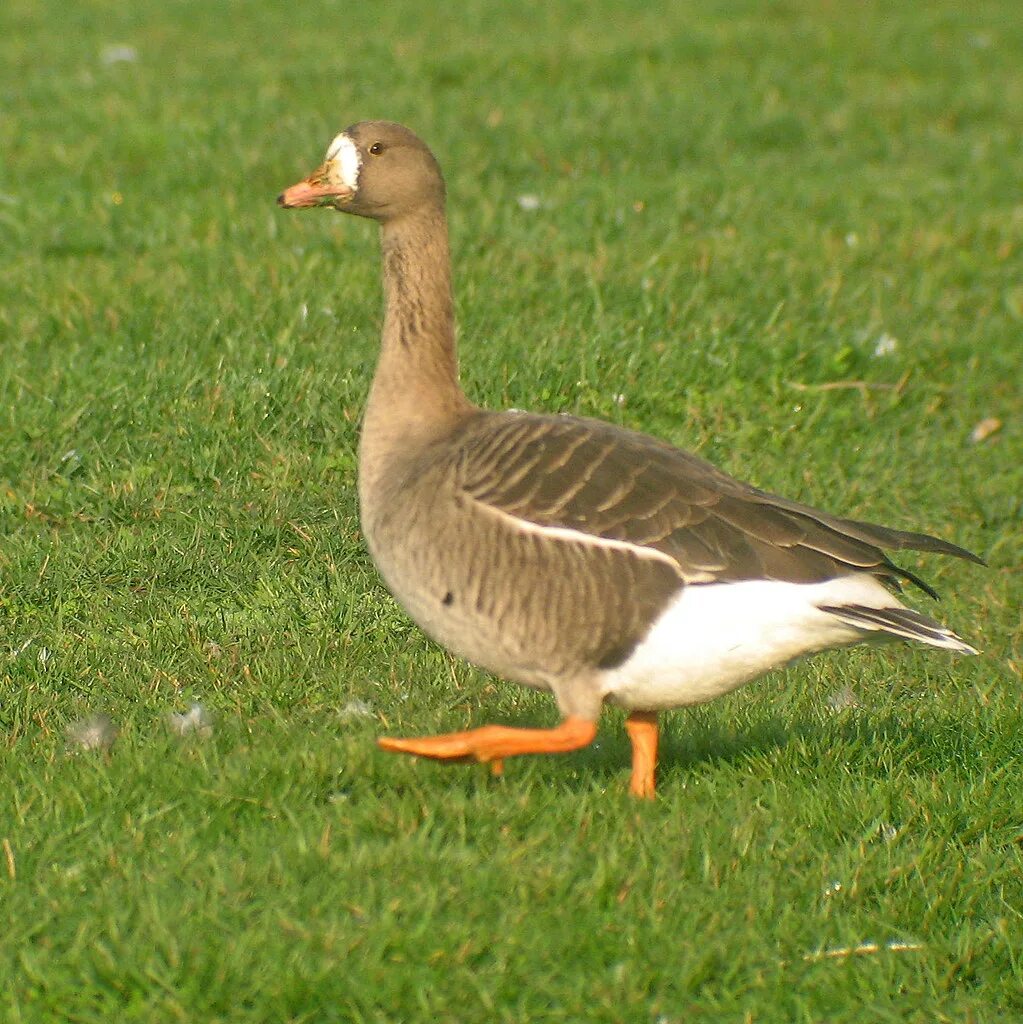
(871,745)
(681,750)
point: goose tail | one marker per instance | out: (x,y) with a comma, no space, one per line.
(900,622)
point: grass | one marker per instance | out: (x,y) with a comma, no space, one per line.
(738,203)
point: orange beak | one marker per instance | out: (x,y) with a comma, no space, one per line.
(316,190)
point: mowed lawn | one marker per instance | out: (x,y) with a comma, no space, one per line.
(788,235)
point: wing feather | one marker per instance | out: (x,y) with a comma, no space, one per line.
(610,484)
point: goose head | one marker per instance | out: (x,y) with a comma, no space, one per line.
(374,169)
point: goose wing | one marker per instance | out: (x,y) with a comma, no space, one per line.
(598,482)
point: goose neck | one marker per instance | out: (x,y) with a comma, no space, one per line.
(415,393)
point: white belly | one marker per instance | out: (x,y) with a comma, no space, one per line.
(714,638)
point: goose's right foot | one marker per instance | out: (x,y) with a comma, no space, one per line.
(492,743)
(642,729)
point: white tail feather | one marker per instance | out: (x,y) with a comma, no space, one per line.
(901,622)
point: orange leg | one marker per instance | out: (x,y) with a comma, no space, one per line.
(492,743)
(642,729)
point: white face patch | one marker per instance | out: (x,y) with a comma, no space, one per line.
(343,155)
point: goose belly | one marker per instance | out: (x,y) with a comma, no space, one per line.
(451,588)
(479,626)
(541,611)
(712,638)
(478,638)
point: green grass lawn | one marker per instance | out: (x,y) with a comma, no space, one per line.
(785,234)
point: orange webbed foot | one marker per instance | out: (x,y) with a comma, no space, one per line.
(642,729)
(493,743)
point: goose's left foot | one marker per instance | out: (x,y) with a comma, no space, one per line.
(642,729)
(493,743)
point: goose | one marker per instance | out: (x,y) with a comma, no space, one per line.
(569,554)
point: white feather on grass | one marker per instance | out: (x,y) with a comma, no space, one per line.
(196,721)
(95,732)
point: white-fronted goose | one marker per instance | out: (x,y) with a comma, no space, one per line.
(568,554)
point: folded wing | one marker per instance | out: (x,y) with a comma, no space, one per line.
(610,484)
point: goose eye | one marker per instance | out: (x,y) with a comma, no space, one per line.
(377,148)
